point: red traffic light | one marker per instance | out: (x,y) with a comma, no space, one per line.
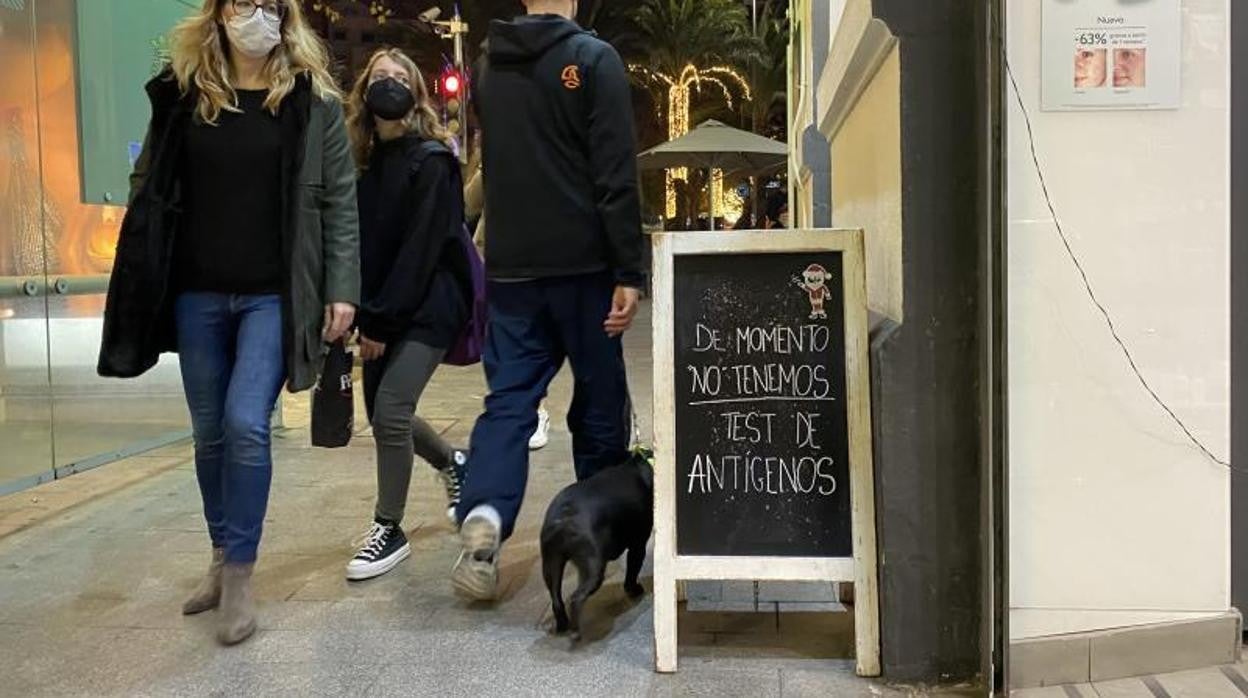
(451,84)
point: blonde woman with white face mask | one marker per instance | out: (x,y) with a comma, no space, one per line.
(240,251)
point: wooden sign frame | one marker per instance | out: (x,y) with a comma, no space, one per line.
(670,567)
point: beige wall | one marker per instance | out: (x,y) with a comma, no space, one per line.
(866,183)
(1115,519)
(801,115)
(804,196)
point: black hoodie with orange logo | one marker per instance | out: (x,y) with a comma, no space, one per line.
(559,154)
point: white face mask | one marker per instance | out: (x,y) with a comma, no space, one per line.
(255,36)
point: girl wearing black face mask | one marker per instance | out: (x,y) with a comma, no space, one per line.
(416,288)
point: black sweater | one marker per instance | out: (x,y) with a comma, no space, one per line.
(416,281)
(231,241)
(559,154)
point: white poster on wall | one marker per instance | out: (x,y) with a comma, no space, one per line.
(1111,54)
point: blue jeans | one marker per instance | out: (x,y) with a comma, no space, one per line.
(230,350)
(533,327)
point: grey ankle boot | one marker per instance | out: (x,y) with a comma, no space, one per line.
(238,608)
(208,594)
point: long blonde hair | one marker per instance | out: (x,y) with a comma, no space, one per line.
(199,52)
(422,120)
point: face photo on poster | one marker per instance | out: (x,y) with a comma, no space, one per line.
(1130,67)
(1090,67)
(1111,54)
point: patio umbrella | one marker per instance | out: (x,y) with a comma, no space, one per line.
(716,146)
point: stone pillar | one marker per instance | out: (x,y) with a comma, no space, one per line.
(902,105)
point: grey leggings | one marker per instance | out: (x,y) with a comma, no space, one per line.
(392,387)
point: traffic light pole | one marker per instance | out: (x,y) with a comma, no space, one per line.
(454,30)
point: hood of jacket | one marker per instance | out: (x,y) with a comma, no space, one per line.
(528,37)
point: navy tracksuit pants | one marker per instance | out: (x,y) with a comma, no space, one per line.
(533,327)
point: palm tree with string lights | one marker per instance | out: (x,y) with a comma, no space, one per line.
(683,47)
(769,76)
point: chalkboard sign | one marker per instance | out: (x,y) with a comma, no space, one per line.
(762,419)
(762,451)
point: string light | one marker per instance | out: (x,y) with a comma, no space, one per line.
(334,16)
(679,93)
(377,9)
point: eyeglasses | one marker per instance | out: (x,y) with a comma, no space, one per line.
(273,9)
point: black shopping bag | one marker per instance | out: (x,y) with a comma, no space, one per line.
(333,400)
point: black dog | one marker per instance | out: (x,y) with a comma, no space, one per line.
(593,522)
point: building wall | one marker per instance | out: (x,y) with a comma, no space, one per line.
(866,183)
(1115,519)
(808,149)
(803,76)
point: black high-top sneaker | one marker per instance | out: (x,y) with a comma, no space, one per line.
(453,479)
(380,549)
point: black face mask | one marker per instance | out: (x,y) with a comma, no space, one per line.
(389,99)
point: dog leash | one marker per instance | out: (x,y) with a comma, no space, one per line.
(636,448)
(636,429)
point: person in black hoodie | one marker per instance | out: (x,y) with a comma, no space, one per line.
(564,262)
(416,286)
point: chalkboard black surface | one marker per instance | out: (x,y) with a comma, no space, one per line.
(762,448)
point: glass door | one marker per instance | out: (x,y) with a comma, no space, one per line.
(26,456)
(89,135)
(67,149)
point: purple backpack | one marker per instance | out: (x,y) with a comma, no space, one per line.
(467,347)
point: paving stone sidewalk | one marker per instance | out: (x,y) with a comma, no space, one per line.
(93,570)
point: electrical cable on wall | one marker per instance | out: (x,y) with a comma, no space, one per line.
(1109,321)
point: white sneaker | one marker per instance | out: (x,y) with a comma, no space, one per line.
(475,574)
(541,435)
